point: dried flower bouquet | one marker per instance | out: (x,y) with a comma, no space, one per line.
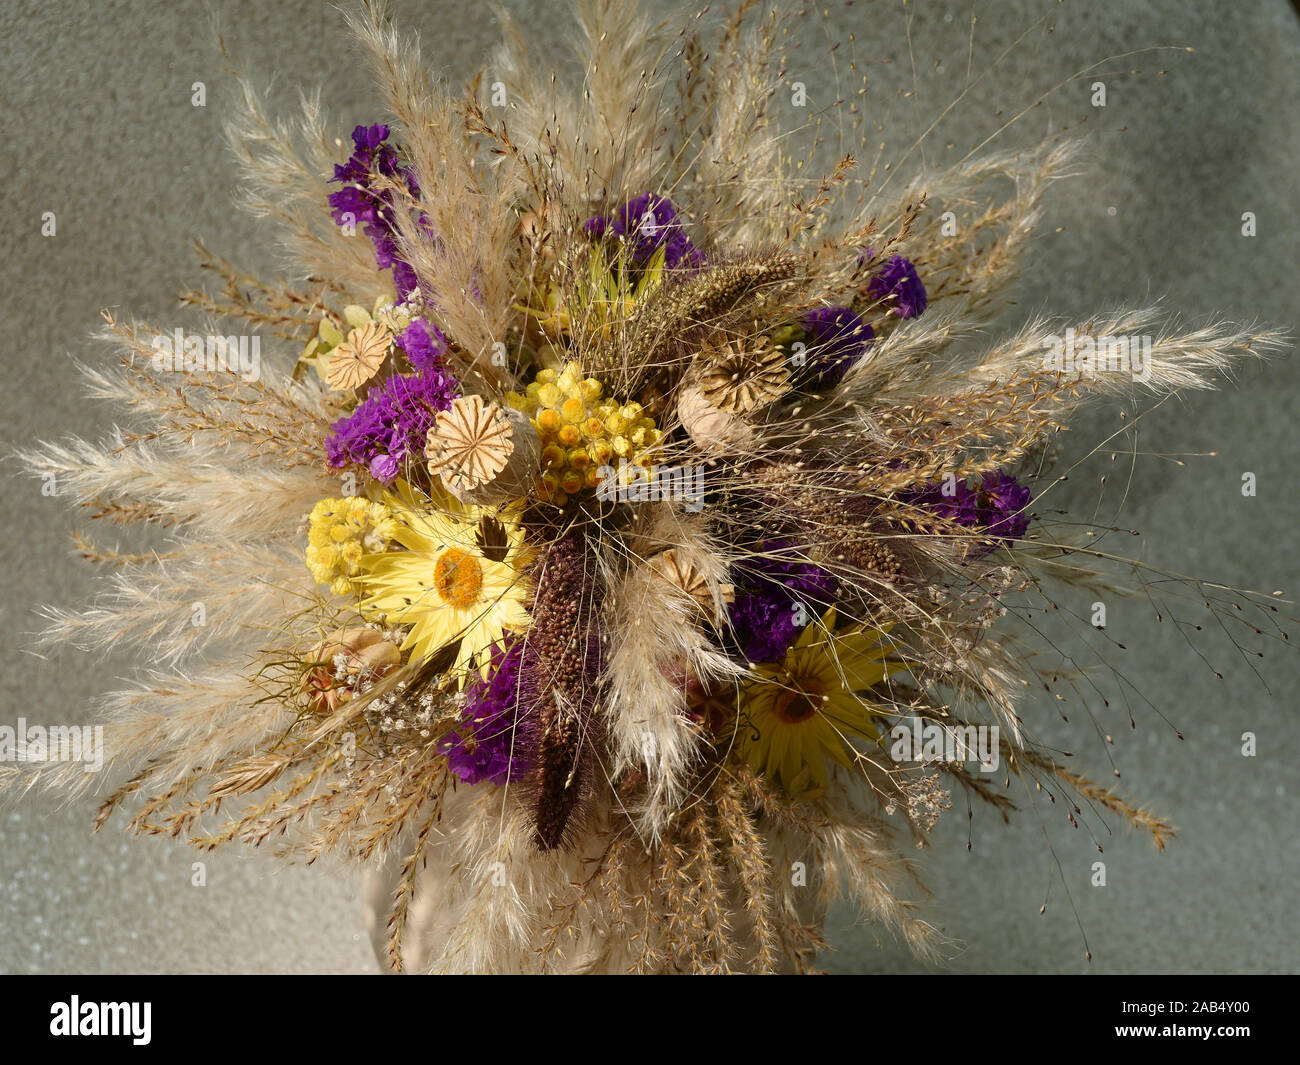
(623,490)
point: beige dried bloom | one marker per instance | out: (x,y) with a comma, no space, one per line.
(682,573)
(482,450)
(742,375)
(714,431)
(358,358)
(347,655)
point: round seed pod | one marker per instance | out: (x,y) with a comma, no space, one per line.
(484,452)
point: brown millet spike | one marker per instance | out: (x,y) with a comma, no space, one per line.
(563,653)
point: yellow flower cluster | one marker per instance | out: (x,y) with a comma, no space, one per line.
(340,532)
(581,431)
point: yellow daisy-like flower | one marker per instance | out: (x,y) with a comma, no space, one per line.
(804,709)
(458,581)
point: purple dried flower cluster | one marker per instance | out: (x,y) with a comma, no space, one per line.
(998,505)
(777,593)
(488,746)
(391,423)
(651,221)
(1001,501)
(424,345)
(899,281)
(837,338)
(359,202)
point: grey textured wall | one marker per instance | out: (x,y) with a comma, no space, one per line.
(98,127)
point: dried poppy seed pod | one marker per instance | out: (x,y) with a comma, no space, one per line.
(738,376)
(483,452)
(682,573)
(715,432)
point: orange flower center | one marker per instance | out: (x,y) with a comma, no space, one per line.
(795,706)
(458,578)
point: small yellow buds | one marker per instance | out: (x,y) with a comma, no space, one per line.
(339,532)
(581,431)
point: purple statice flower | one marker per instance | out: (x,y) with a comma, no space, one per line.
(404,279)
(391,423)
(487,746)
(997,506)
(360,202)
(384,468)
(957,505)
(650,222)
(777,593)
(1002,503)
(837,338)
(899,280)
(424,344)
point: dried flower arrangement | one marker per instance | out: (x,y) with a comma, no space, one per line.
(576,714)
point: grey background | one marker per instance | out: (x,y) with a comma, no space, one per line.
(98,127)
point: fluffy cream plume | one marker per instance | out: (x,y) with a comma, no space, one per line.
(286,168)
(594,157)
(197,485)
(460,241)
(652,633)
(736,165)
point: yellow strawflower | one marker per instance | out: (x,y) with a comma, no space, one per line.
(340,532)
(581,430)
(805,709)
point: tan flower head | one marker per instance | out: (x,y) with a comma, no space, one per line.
(358,358)
(482,450)
(741,375)
(347,655)
(682,573)
(714,431)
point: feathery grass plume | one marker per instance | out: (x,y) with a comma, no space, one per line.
(285,167)
(734,155)
(788,506)
(622,63)
(655,646)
